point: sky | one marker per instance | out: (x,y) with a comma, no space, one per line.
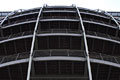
(107,5)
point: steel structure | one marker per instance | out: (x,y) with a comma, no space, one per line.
(60,43)
(3,14)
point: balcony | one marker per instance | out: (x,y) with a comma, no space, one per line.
(76,31)
(102,35)
(19,21)
(16,35)
(100,22)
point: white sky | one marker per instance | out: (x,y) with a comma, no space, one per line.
(108,5)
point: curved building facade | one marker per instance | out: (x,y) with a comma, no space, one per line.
(59,43)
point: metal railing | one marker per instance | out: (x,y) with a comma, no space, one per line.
(99,21)
(60,52)
(59,17)
(16,35)
(19,21)
(95,13)
(105,57)
(76,53)
(102,35)
(14,57)
(62,9)
(76,31)
(24,12)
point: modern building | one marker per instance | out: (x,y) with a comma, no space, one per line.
(60,43)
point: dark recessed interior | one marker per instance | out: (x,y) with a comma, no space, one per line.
(58,15)
(14,47)
(14,72)
(101,46)
(18,29)
(59,70)
(20,19)
(59,42)
(59,25)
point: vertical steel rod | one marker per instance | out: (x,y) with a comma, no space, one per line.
(32,45)
(86,46)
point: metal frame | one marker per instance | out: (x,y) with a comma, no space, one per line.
(79,35)
(86,46)
(59,11)
(6,18)
(24,14)
(92,14)
(60,34)
(102,38)
(98,23)
(88,59)
(113,19)
(117,30)
(60,58)
(16,38)
(76,59)
(59,20)
(11,25)
(32,21)
(13,12)
(33,44)
(14,62)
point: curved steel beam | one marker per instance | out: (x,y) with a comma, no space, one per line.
(13,62)
(20,23)
(58,6)
(113,19)
(51,58)
(92,14)
(52,11)
(23,14)
(102,38)
(13,12)
(42,20)
(76,59)
(85,44)
(59,34)
(87,21)
(33,44)
(16,38)
(105,62)
(78,35)
(6,18)
(59,58)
